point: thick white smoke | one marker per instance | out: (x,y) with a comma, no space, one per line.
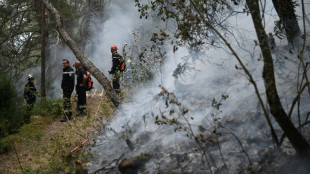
(215,74)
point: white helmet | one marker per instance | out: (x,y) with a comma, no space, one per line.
(30,77)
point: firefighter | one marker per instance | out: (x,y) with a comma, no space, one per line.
(30,97)
(115,70)
(67,85)
(80,88)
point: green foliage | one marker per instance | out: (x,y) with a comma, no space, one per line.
(107,108)
(30,132)
(18,36)
(5,145)
(51,108)
(20,31)
(10,118)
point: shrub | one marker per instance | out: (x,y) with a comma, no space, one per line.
(5,145)
(51,108)
(10,119)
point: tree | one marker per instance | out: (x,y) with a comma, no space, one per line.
(190,28)
(288,19)
(297,140)
(80,56)
(43,27)
(10,118)
(27,32)
(43,45)
(196,22)
(92,11)
(19,41)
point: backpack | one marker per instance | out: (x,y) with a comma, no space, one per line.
(122,64)
(89,82)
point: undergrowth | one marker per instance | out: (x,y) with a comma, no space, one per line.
(45,144)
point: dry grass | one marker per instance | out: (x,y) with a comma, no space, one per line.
(42,145)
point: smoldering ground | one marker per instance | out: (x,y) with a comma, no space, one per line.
(222,107)
(199,90)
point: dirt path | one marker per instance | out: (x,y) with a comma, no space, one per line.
(45,143)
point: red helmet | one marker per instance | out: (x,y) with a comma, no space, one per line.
(113,47)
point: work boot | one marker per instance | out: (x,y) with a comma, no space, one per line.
(81,114)
(81,110)
(65,118)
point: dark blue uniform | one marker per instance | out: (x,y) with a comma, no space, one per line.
(67,85)
(30,93)
(30,97)
(81,91)
(115,70)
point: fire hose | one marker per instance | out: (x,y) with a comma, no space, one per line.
(83,142)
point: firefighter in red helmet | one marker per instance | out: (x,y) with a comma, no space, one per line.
(116,68)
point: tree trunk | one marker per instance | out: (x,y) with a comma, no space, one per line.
(43,44)
(286,12)
(80,56)
(295,137)
(85,29)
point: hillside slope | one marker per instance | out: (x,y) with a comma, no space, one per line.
(44,145)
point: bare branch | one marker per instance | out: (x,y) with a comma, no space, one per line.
(208,24)
(296,99)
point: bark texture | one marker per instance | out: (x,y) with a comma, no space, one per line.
(43,45)
(102,79)
(286,12)
(295,137)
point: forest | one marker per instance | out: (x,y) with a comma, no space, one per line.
(179,86)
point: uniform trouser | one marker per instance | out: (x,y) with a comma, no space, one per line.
(116,81)
(67,102)
(29,106)
(81,104)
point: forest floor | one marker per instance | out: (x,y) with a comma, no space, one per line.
(47,145)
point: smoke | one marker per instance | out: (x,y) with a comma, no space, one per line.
(200,90)
(53,70)
(214,74)
(195,91)
(117,30)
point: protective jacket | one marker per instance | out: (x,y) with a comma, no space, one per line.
(79,79)
(67,82)
(30,93)
(116,62)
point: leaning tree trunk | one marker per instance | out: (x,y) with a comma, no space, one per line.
(80,56)
(286,12)
(295,137)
